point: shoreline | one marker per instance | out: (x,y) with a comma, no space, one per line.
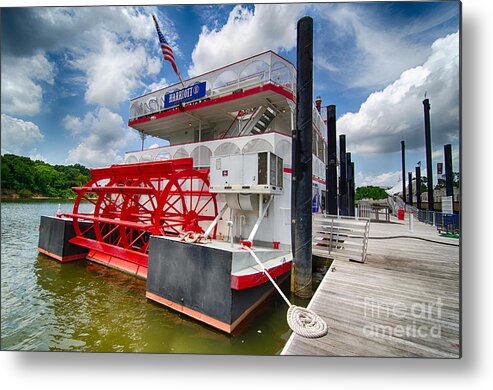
(19,198)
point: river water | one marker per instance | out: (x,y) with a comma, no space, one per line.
(83,306)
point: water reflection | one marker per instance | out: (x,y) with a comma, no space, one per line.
(83,306)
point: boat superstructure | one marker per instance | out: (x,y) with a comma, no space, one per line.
(241,109)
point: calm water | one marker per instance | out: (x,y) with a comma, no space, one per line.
(83,306)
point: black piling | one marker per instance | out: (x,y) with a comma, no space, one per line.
(449,174)
(429,162)
(331,168)
(342,176)
(351,191)
(302,163)
(418,188)
(403,158)
(350,197)
(410,180)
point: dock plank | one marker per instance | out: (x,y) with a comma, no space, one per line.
(402,302)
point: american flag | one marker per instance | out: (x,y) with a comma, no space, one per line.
(166,48)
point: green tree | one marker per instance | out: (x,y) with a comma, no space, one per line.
(370,192)
(45,177)
(27,177)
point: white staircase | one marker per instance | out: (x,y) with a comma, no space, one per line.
(259,121)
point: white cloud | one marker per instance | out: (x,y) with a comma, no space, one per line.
(323,63)
(102,135)
(19,136)
(114,70)
(21,91)
(157,85)
(386,179)
(80,28)
(246,32)
(35,155)
(380,48)
(396,112)
(114,48)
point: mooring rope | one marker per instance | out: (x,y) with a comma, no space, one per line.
(303,322)
(411,237)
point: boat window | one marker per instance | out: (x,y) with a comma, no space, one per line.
(257,145)
(162,155)
(321,149)
(146,157)
(283,150)
(181,153)
(281,75)
(131,160)
(227,149)
(225,80)
(201,156)
(254,73)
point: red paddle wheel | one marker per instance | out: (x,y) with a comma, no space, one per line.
(131,202)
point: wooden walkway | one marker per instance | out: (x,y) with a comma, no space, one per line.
(402,302)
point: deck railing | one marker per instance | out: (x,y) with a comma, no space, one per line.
(265,68)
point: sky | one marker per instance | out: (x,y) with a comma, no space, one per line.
(67,74)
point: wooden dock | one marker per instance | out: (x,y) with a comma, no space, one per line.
(404,301)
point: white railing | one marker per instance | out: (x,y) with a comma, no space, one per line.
(319,123)
(265,68)
(335,235)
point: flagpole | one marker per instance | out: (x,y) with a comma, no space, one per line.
(182,83)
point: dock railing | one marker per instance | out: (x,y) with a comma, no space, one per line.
(373,211)
(444,222)
(335,236)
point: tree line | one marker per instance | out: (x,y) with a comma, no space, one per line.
(26,178)
(376,193)
(370,192)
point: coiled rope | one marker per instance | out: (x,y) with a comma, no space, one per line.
(303,322)
(190,237)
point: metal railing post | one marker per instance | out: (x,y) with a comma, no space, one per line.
(331,233)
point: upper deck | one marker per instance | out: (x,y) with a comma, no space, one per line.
(250,96)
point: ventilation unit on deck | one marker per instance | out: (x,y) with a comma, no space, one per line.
(255,173)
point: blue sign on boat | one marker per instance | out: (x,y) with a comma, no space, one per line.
(184,95)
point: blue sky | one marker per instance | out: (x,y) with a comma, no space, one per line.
(68,73)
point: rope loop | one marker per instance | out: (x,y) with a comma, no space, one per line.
(303,322)
(306,323)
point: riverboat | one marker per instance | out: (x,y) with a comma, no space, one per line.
(182,215)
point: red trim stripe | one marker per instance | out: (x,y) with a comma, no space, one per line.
(247,281)
(63,259)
